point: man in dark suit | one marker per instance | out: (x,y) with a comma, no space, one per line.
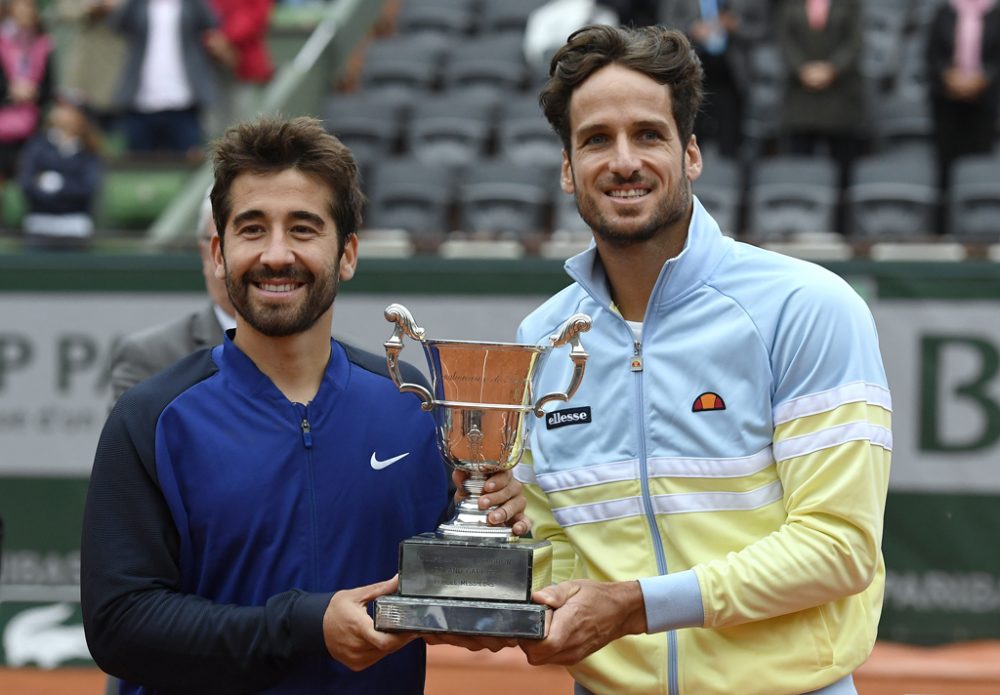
(144,353)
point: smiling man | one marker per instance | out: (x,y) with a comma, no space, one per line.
(239,498)
(716,519)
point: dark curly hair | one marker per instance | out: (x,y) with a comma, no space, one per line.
(664,55)
(273,144)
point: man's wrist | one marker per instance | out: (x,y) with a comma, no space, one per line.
(633,607)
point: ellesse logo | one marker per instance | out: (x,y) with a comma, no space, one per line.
(708,401)
(569,416)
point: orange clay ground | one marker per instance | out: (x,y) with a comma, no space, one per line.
(959,669)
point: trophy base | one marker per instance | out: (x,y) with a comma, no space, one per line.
(473,569)
(482,618)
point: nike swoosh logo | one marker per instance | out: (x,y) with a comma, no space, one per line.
(379,465)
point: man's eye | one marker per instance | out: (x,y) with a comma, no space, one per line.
(596,140)
(650,135)
(302,230)
(250,230)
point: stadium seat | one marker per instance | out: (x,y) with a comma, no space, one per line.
(565,217)
(720,190)
(764,97)
(367,123)
(882,36)
(493,65)
(789,195)
(438,18)
(902,117)
(507,16)
(973,199)
(402,67)
(525,137)
(451,130)
(893,196)
(502,197)
(409,194)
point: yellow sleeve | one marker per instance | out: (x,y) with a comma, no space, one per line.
(830,544)
(543,524)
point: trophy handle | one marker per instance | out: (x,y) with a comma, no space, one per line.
(569,332)
(405,325)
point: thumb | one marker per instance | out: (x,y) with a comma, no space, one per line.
(556,596)
(364,594)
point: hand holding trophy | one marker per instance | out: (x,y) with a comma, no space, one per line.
(469,577)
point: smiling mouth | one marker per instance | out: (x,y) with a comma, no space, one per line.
(277,287)
(628,194)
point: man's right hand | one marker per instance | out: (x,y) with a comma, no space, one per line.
(348,630)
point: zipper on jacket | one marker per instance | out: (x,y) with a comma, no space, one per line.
(647,505)
(306,429)
(307,437)
(636,364)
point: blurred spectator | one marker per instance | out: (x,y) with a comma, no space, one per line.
(241,49)
(824,104)
(142,354)
(60,174)
(963,56)
(715,28)
(169,79)
(25,80)
(95,56)
(550,24)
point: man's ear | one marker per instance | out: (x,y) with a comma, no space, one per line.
(566,174)
(694,161)
(349,259)
(218,257)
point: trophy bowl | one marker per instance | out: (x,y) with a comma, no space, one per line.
(480,396)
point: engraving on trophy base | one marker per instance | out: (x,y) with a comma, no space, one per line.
(485,618)
(467,569)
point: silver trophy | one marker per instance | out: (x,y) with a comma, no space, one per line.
(469,577)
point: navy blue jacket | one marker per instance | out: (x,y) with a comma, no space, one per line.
(82,174)
(221,517)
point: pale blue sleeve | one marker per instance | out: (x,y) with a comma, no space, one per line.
(672,601)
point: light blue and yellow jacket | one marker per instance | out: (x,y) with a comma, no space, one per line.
(736,462)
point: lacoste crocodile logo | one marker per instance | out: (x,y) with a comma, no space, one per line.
(379,465)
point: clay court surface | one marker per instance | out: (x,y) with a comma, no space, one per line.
(959,669)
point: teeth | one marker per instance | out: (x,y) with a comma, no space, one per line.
(288,287)
(634,193)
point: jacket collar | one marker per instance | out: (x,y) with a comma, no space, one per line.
(703,248)
(244,376)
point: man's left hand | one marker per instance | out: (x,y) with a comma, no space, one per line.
(503,490)
(587,615)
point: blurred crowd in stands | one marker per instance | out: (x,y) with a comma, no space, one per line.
(156,77)
(863,119)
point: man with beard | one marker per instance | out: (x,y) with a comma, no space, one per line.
(717,515)
(239,497)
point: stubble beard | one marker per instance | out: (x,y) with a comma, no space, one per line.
(279,321)
(671,210)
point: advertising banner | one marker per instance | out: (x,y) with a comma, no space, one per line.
(942,359)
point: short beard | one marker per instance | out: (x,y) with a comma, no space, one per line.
(671,211)
(281,322)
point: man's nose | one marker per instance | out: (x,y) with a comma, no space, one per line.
(624,161)
(277,252)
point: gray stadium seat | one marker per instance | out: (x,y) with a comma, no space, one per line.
(720,190)
(973,198)
(790,195)
(406,193)
(498,196)
(893,196)
(451,130)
